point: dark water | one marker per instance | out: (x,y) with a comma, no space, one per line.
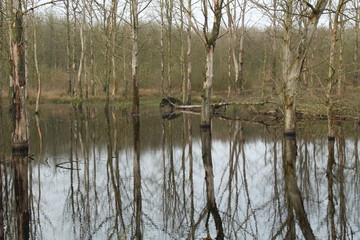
(239,179)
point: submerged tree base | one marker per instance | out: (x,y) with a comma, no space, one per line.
(20,148)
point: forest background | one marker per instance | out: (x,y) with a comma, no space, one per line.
(84,48)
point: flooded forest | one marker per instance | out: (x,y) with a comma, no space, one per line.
(179,119)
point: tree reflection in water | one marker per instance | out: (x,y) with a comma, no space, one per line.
(209,179)
(91,179)
(294,199)
(20,163)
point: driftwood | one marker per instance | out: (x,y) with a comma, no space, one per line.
(177,104)
(169,105)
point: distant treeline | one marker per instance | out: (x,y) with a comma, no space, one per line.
(261,61)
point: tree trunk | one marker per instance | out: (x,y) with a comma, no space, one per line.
(240,68)
(2,44)
(114,4)
(92,57)
(20,121)
(341,79)
(135,80)
(207,88)
(356,47)
(210,41)
(333,78)
(293,60)
(162,48)
(274,47)
(169,18)
(37,71)
(68,48)
(182,53)
(189,51)
(79,90)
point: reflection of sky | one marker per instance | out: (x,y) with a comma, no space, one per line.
(257,210)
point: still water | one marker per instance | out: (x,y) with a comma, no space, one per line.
(109,175)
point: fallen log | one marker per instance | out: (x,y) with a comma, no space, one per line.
(174,103)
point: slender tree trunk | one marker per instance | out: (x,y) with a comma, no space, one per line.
(274,46)
(69,48)
(332,76)
(356,46)
(2,44)
(36,64)
(114,5)
(182,53)
(189,53)
(162,47)
(20,121)
(73,48)
(240,81)
(79,90)
(232,60)
(169,18)
(92,56)
(126,82)
(341,80)
(134,33)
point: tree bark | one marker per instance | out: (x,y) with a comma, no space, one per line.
(207,88)
(19,114)
(134,62)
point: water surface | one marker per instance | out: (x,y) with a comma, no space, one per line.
(101,174)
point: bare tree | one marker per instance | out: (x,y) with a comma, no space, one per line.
(237,40)
(293,57)
(187,81)
(79,90)
(332,76)
(209,39)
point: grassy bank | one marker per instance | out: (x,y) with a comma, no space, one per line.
(310,101)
